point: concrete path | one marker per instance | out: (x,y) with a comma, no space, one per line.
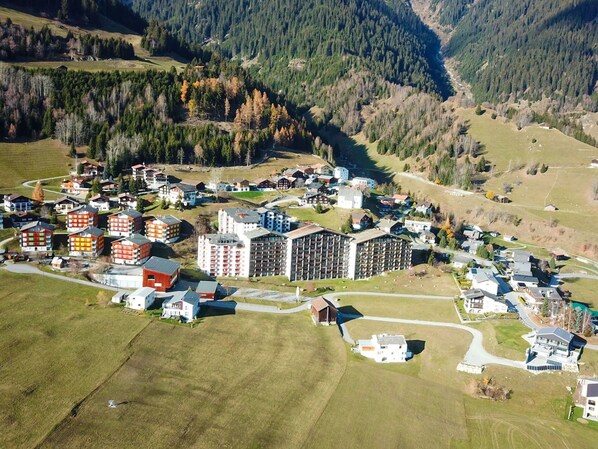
(22,268)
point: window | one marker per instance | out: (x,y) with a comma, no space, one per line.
(151,277)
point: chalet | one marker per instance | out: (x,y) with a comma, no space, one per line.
(265,184)
(386,202)
(58,263)
(182,306)
(349,198)
(199,186)
(552,350)
(15,202)
(294,173)
(317,187)
(519,282)
(360,220)
(89,169)
(478,301)
(418,226)
(240,185)
(341,173)
(306,169)
(401,199)
(76,185)
(65,205)
(390,226)
(166,229)
(323,311)
(472,233)
(108,186)
(132,250)
(284,183)
(154,178)
(586,395)
(160,273)
(322,169)
(23,218)
(315,198)
(327,180)
(79,219)
(472,246)
(363,183)
(427,237)
(126,201)
(36,237)
(184,193)
(88,242)
(536,296)
(550,208)
(384,348)
(100,202)
(207,290)
(424,208)
(138,171)
(141,299)
(125,223)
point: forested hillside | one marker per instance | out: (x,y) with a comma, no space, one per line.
(527,49)
(299,47)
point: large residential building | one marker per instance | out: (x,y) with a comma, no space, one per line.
(222,255)
(160,273)
(237,220)
(314,252)
(184,193)
(265,253)
(79,219)
(166,229)
(131,250)
(36,237)
(15,202)
(341,173)
(125,223)
(363,183)
(374,252)
(484,279)
(88,242)
(349,198)
(274,220)
(153,178)
(552,350)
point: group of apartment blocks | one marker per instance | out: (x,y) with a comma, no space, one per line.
(259,243)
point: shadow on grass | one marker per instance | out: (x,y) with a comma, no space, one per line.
(348,313)
(416,346)
(217,308)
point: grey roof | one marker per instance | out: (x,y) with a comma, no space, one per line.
(130,213)
(85,208)
(67,199)
(207,287)
(242,215)
(184,187)
(371,234)
(161,265)
(35,224)
(261,232)
(90,230)
(168,219)
(482,275)
(223,239)
(462,259)
(477,292)
(522,278)
(188,296)
(388,223)
(308,230)
(138,239)
(592,390)
(348,193)
(385,339)
(555,333)
(521,256)
(143,292)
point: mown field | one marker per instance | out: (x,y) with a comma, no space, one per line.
(247,381)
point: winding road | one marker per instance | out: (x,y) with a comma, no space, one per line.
(23,268)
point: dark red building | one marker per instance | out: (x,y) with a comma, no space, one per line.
(160,273)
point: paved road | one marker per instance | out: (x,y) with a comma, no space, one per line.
(4,242)
(288,199)
(479,260)
(31,184)
(22,268)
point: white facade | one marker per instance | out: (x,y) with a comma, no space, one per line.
(485,280)
(102,204)
(349,198)
(418,226)
(274,220)
(237,220)
(141,299)
(586,396)
(222,255)
(181,305)
(384,348)
(341,173)
(480,302)
(363,183)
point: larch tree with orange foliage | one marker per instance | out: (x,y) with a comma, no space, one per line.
(185,91)
(38,193)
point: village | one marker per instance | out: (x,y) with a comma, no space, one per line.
(386,232)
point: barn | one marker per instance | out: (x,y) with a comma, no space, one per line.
(160,273)
(323,311)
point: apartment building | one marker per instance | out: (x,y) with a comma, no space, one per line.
(237,220)
(274,220)
(222,255)
(265,253)
(79,219)
(166,229)
(131,250)
(36,237)
(125,223)
(88,242)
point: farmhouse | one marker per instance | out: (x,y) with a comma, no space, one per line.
(36,237)
(160,273)
(237,220)
(385,348)
(349,198)
(88,242)
(264,184)
(586,396)
(132,250)
(125,223)
(221,255)
(552,350)
(15,202)
(374,252)
(240,185)
(182,306)
(478,302)
(207,290)
(317,187)
(323,311)
(166,229)
(79,219)
(65,205)
(284,183)
(141,299)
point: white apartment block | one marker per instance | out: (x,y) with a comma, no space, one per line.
(237,220)
(222,255)
(274,220)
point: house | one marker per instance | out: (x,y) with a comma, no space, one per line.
(219,186)
(586,396)
(182,306)
(327,180)
(141,299)
(100,202)
(552,350)
(15,202)
(424,208)
(594,163)
(509,238)
(36,237)
(484,279)
(519,282)
(76,185)
(84,217)
(550,208)
(125,223)
(22,218)
(323,311)
(460,261)
(385,348)
(478,301)
(363,183)
(341,173)
(240,185)
(360,220)
(283,183)
(274,220)
(315,198)
(166,229)
(153,178)
(199,186)
(427,237)
(472,246)
(472,233)
(237,220)
(173,193)
(386,202)
(160,273)
(264,184)
(65,205)
(502,199)
(88,242)
(58,263)
(520,268)
(207,290)
(349,198)
(535,297)
(89,169)
(119,297)
(401,199)
(559,254)
(138,170)
(222,255)
(108,186)
(294,173)
(390,226)
(517,255)
(126,201)
(317,187)
(132,250)
(418,226)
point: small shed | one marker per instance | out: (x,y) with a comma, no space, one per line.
(207,290)
(323,311)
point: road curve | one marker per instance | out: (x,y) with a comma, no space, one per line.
(22,268)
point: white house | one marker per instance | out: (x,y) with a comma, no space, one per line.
(349,198)
(65,205)
(184,193)
(100,202)
(553,349)
(237,220)
(478,301)
(418,226)
(586,397)
(141,299)
(424,208)
(460,261)
(341,173)
(384,348)
(363,183)
(181,305)
(485,280)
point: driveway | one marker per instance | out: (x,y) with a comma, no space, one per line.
(22,268)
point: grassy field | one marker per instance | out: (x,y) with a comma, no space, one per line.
(331,218)
(582,290)
(503,338)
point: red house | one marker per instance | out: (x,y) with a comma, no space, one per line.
(79,219)
(160,273)
(207,290)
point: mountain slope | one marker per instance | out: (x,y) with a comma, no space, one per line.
(301,45)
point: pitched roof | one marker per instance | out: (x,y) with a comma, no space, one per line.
(84,208)
(555,333)
(184,187)
(90,230)
(370,234)
(386,339)
(161,265)
(137,239)
(143,291)
(207,287)
(188,296)
(168,220)
(35,224)
(261,232)
(16,196)
(66,199)
(308,230)
(348,193)
(321,303)
(129,213)
(242,215)
(388,223)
